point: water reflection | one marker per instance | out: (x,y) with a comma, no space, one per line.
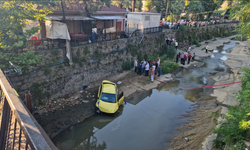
(149,121)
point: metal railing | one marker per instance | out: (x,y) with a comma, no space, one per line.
(42,44)
(152,30)
(18,128)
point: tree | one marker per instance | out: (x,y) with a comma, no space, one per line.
(240,10)
(201,7)
(13,19)
(127,4)
(177,7)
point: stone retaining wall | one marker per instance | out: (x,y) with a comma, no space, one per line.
(59,80)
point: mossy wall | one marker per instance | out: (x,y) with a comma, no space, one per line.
(90,67)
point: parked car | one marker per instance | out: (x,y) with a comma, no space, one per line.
(108,100)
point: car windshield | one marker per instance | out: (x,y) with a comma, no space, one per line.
(106,97)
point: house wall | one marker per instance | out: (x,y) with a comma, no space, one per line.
(71,24)
(142,21)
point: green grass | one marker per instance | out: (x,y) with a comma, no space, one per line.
(169,67)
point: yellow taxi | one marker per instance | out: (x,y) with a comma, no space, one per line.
(108,100)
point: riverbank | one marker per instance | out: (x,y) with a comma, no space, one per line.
(75,107)
(237,59)
(203,120)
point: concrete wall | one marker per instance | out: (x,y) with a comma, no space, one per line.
(59,80)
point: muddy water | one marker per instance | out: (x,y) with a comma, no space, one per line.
(149,123)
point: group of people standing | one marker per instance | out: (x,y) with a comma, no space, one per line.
(185,56)
(143,67)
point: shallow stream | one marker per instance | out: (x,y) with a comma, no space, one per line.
(148,124)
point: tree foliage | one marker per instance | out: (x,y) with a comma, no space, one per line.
(200,7)
(174,6)
(240,9)
(14,17)
(237,127)
(127,4)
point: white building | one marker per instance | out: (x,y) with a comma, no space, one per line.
(142,20)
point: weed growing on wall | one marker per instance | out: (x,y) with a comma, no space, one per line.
(47,71)
(127,65)
(55,52)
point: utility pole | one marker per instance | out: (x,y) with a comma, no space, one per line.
(133,5)
(63,12)
(68,48)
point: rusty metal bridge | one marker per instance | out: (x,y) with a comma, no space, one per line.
(18,128)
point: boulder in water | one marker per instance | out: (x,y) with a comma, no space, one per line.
(215,51)
(212,56)
(223,52)
(204,80)
(224,58)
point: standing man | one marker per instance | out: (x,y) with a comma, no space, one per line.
(167,40)
(135,65)
(140,68)
(193,58)
(152,73)
(189,49)
(182,58)
(28,101)
(146,69)
(206,48)
(176,45)
(189,57)
(159,70)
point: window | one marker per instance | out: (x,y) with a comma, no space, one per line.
(106,97)
(147,18)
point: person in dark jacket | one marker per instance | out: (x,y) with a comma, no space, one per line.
(140,68)
(189,58)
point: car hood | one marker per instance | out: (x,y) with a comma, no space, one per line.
(108,107)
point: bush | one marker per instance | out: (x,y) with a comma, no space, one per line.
(169,67)
(236,128)
(127,65)
(198,44)
(171,52)
(170,17)
(219,143)
(182,28)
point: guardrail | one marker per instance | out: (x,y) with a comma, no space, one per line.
(78,40)
(18,128)
(41,44)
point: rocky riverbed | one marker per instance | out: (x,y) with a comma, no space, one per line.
(63,112)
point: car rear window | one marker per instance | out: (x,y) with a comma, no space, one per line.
(106,97)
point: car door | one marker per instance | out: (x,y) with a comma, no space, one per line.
(120,99)
(99,92)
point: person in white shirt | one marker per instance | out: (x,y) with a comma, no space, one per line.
(206,48)
(189,49)
(176,45)
(135,65)
(158,61)
(146,69)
